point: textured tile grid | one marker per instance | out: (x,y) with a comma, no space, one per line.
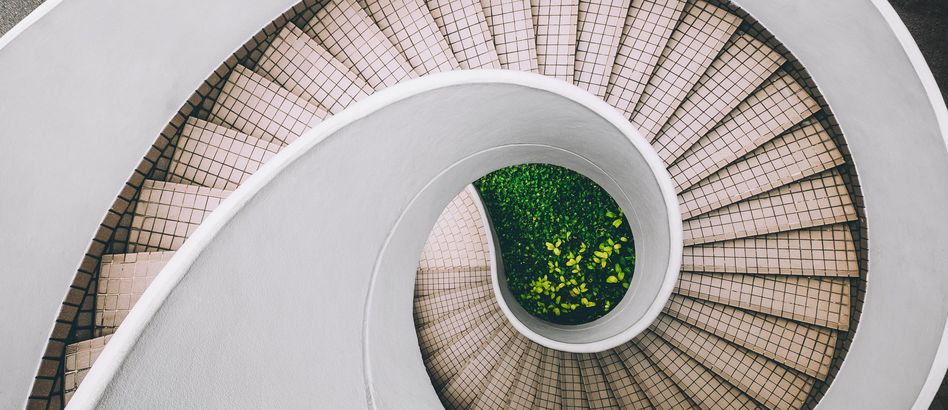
(628,394)
(572,390)
(501,381)
(511,25)
(524,392)
(411,29)
(167,213)
(599,30)
(598,390)
(548,383)
(469,384)
(439,335)
(78,360)
(465,27)
(661,391)
(445,363)
(122,280)
(555,24)
(431,308)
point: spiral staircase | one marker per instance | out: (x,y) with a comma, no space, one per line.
(774,267)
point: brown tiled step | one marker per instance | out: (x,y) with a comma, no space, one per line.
(623,386)
(526,386)
(703,387)
(805,150)
(819,200)
(760,378)
(262,108)
(743,65)
(549,392)
(702,32)
(777,106)
(166,214)
(598,391)
(554,24)
(445,363)
(122,280)
(822,251)
(216,156)
(648,26)
(431,308)
(468,384)
(805,348)
(436,281)
(298,63)
(78,360)
(511,26)
(465,27)
(411,29)
(500,383)
(818,301)
(572,390)
(662,392)
(350,35)
(598,31)
(439,335)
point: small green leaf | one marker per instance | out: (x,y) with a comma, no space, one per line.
(611,279)
(616,223)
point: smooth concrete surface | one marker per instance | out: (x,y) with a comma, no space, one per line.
(84,91)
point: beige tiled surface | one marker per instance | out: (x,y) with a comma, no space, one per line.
(702,32)
(468,385)
(122,280)
(599,30)
(79,359)
(261,108)
(527,386)
(511,25)
(411,29)
(502,379)
(465,27)
(648,26)
(352,37)
(431,308)
(624,388)
(555,22)
(572,390)
(742,66)
(549,392)
(661,391)
(445,363)
(597,388)
(443,333)
(298,63)
(167,213)
(215,156)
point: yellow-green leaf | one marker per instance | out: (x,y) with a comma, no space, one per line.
(611,279)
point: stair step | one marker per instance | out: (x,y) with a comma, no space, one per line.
(511,26)
(445,363)
(439,335)
(572,388)
(804,151)
(648,26)
(411,29)
(429,309)
(301,65)
(701,34)
(501,381)
(818,301)
(429,282)
(807,349)
(777,106)
(599,29)
(706,389)
(743,65)
(524,392)
(819,200)
(166,214)
(548,381)
(554,23)
(597,389)
(661,391)
(78,360)
(464,25)
(760,378)
(626,391)
(471,382)
(352,37)
(262,108)
(122,280)
(215,156)
(822,251)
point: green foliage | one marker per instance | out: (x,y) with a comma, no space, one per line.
(567,249)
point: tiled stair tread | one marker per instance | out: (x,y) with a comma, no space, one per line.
(411,29)
(527,384)
(459,237)
(598,390)
(760,378)
(351,36)
(818,301)
(777,106)
(622,385)
(302,66)
(166,213)
(511,26)
(548,384)
(648,26)
(438,335)
(429,282)
(805,348)
(706,389)
(470,382)
(819,200)
(447,362)
(259,107)
(499,384)
(599,29)
(743,65)
(702,32)
(431,308)
(799,153)
(465,27)
(661,391)
(216,156)
(572,389)
(554,23)
(822,251)
(122,280)
(78,360)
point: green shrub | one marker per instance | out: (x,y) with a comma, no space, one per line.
(567,249)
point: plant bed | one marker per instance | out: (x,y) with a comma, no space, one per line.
(566,247)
